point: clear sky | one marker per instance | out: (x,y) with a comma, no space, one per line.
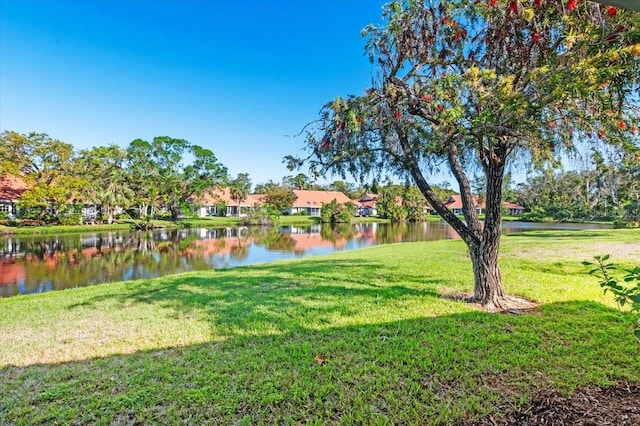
(239,77)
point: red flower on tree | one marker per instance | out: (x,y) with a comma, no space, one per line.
(538,3)
(513,7)
(492,3)
(571,5)
(611,11)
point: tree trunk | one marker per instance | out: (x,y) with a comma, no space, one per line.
(175,212)
(483,240)
(487,279)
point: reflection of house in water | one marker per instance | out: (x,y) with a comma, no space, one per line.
(40,263)
(13,273)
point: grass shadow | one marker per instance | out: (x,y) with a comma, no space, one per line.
(280,297)
(449,369)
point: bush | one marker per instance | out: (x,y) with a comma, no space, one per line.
(625,295)
(30,222)
(221,209)
(335,212)
(261,215)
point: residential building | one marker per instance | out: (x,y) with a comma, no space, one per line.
(367,205)
(311,202)
(454,203)
(210,203)
(11,190)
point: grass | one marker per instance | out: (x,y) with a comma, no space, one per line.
(355,337)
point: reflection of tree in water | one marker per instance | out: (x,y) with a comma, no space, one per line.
(272,239)
(40,263)
(393,233)
(240,250)
(69,261)
(334,233)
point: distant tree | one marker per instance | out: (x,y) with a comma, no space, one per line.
(262,188)
(279,197)
(351,190)
(478,85)
(443,191)
(603,191)
(143,177)
(413,202)
(105,171)
(240,188)
(335,212)
(299,181)
(375,188)
(388,204)
(161,168)
(47,165)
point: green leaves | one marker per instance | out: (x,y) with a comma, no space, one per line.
(624,295)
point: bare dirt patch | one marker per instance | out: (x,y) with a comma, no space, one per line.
(621,251)
(512,305)
(617,405)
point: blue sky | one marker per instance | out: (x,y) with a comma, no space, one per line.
(236,76)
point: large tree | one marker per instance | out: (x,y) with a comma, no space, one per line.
(163,172)
(278,196)
(46,164)
(105,170)
(475,86)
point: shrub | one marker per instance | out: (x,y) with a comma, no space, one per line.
(625,294)
(335,212)
(30,222)
(264,215)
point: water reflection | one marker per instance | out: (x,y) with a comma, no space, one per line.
(44,263)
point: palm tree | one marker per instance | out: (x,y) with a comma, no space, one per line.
(239,189)
(115,194)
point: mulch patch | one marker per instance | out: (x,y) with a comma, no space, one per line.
(617,405)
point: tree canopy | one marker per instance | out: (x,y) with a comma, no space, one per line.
(478,86)
(162,172)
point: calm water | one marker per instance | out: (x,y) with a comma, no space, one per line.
(36,264)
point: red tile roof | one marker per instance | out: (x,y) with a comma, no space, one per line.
(213,197)
(11,188)
(306,198)
(455,202)
(511,205)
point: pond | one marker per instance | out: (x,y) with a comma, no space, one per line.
(34,264)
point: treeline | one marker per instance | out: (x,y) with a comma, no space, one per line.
(610,191)
(144,175)
(161,178)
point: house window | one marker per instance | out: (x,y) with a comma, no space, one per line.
(6,208)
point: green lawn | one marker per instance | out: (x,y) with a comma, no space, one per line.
(355,337)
